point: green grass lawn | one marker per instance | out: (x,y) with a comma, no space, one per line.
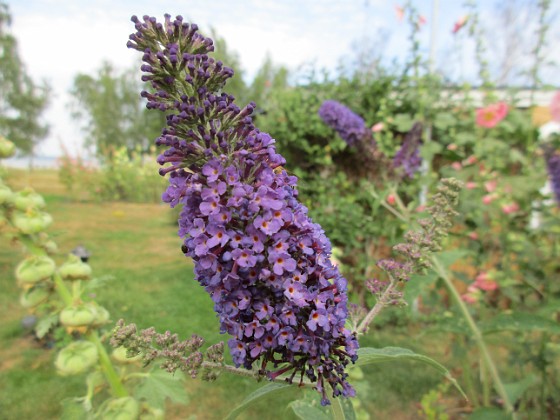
(151,283)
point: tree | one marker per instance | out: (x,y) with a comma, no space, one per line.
(111,112)
(21,101)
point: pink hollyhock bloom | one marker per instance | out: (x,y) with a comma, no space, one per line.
(460,23)
(510,208)
(473,236)
(471,185)
(471,160)
(421,20)
(555,107)
(470,298)
(484,282)
(488,198)
(391,199)
(399,10)
(378,127)
(490,186)
(491,115)
(457,166)
(452,147)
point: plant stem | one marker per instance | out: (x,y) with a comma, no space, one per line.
(107,367)
(477,335)
(381,303)
(62,290)
(246,373)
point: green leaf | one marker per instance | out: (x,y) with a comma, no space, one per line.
(368,356)
(304,410)
(489,414)
(403,122)
(258,395)
(515,390)
(448,258)
(73,408)
(342,409)
(45,324)
(519,321)
(417,284)
(160,385)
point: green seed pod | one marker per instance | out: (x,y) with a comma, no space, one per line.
(126,408)
(34,269)
(34,222)
(119,355)
(75,269)
(6,194)
(76,358)
(34,296)
(28,198)
(102,316)
(50,247)
(78,316)
(7,148)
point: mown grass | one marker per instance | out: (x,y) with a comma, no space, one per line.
(150,283)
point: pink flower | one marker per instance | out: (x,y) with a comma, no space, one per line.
(471,160)
(488,198)
(399,10)
(510,208)
(491,115)
(391,199)
(471,185)
(473,236)
(555,107)
(421,21)
(452,147)
(420,208)
(377,127)
(484,282)
(460,23)
(470,298)
(490,186)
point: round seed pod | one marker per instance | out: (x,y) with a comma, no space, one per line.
(34,269)
(34,296)
(78,315)
(35,222)
(76,358)
(28,198)
(75,269)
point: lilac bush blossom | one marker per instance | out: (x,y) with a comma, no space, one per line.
(408,156)
(349,126)
(256,251)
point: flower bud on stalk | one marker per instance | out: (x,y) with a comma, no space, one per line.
(34,269)
(76,358)
(256,251)
(75,269)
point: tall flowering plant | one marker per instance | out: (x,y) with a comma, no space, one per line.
(256,251)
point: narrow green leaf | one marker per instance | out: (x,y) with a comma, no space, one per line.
(368,356)
(342,409)
(518,321)
(515,390)
(160,385)
(487,413)
(258,395)
(305,411)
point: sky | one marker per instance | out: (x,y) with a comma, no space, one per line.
(59,39)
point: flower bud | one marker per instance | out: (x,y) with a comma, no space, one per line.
(78,316)
(126,408)
(34,296)
(6,194)
(7,148)
(34,222)
(119,355)
(75,269)
(102,316)
(28,198)
(34,269)
(76,358)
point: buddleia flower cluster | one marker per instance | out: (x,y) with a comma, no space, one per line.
(553,166)
(256,251)
(352,129)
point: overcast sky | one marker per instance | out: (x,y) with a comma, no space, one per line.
(60,38)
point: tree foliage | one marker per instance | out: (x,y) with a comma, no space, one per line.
(111,113)
(21,100)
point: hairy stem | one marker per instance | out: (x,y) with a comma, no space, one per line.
(107,367)
(381,303)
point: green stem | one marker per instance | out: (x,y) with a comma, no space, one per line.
(107,367)
(477,335)
(468,377)
(62,290)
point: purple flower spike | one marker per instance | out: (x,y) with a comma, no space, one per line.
(349,126)
(553,166)
(408,156)
(255,250)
